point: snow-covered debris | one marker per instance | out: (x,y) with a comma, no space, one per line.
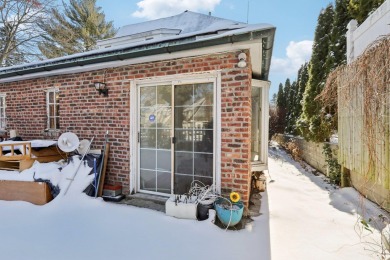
(57,173)
(302,217)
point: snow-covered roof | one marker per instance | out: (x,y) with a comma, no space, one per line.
(183,24)
(187,22)
(195,28)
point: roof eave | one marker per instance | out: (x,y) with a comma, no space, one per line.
(266,35)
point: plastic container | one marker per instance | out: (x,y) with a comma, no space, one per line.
(203,209)
(180,209)
(229,214)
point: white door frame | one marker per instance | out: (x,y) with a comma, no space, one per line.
(215,77)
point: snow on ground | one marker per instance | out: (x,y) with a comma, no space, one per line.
(76,226)
(303,217)
(311,219)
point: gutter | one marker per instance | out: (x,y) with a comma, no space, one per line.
(189,43)
(267,49)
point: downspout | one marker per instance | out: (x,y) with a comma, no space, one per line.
(267,46)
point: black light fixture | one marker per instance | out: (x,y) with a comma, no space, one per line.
(101,88)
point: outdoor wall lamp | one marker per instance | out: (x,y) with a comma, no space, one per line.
(101,88)
(242,60)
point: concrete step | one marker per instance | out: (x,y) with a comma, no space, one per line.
(146,201)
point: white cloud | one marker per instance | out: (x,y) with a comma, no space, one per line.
(153,9)
(297,53)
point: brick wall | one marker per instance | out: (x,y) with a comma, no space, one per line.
(236,132)
(87,114)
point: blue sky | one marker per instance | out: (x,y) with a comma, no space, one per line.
(295,22)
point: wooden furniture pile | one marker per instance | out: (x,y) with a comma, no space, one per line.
(20,156)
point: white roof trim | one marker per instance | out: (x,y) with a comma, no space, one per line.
(251,45)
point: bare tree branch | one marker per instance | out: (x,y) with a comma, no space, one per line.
(19,32)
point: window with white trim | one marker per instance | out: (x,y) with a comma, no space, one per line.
(52,106)
(2,111)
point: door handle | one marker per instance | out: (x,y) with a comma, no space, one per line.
(173,139)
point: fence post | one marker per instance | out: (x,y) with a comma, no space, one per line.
(345,177)
(352,26)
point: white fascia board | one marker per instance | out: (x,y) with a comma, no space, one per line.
(254,46)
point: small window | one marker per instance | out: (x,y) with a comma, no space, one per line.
(53,107)
(2,112)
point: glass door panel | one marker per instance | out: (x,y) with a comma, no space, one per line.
(155,125)
(193,156)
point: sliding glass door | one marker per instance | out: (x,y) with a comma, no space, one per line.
(176,137)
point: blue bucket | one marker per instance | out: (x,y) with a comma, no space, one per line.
(225,214)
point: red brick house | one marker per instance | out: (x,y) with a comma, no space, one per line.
(187,100)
